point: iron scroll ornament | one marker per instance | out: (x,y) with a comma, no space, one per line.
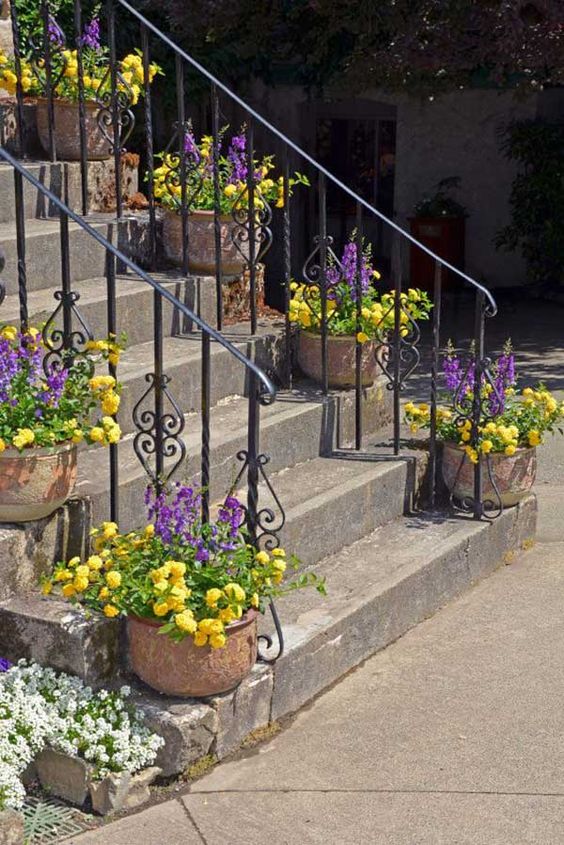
(159,436)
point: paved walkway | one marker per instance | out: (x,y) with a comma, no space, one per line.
(454,735)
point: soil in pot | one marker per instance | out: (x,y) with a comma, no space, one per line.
(514,475)
(190,671)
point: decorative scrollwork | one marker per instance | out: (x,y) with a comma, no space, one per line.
(247,221)
(315,279)
(158,438)
(407,349)
(124,98)
(183,170)
(270,659)
(488,509)
(58,63)
(64,344)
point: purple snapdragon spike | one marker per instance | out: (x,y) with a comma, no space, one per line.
(56,34)
(5,664)
(504,369)
(191,148)
(237,160)
(55,386)
(91,35)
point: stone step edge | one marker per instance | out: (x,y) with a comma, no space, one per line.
(216,728)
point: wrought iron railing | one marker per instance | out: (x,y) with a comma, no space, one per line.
(253,228)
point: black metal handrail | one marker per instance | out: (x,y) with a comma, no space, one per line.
(251,227)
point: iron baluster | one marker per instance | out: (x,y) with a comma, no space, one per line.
(21,249)
(323,244)
(150,187)
(205,409)
(2,284)
(181,111)
(158,385)
(216,144)
(81,106)
(287,250)
(252,225)
(21,127)
(112,334)
(66,288)
(45,18)
(479,327)
(358,347)
(437,301)
(253,427)
(397,276)
(115,104)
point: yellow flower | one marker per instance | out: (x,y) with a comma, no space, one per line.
(2,445)
(262,557)
(63,575)
(218,640)
(104,594)
(110,402)
(109,529)
(160,608)
(200,638)
(362,337)
(278,553)
(226,615)
(110,610)
(94,562)
(234,591)
(82,571)
(113,580)
(255,601)
(47,588)
(213,596)
(80,583)
(113,358)
(177,569)
(510,450)
(534,438)
(9,333)
(486,446)
(186,622)
(160,587)
(69,591)
(230,190)
(97,434)
(211,626)
(102,382)
(278,566)
(149,530)
(77,436)
(114,435)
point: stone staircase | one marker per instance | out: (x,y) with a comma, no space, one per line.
(388,565)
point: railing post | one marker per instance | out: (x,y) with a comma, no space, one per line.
(216,141)
(287,253)
(20,118)
(81,106)
(253,435)
(112,330)
(115,106)
(358,348)
(181,111)
(205,410)
(479,329)
(149,144)
(322,196)
(45,17)
(252,225)
(437,297)
(21,249)
(397,277)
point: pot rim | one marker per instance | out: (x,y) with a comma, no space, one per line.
(341,337)
(91,105)
(38,451)
(203,212)
(248,617)
(452,445)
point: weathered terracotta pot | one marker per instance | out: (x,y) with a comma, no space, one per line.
(36,482)
(514,475)
(201,243)
(341,359)
(186,670)
(67,130)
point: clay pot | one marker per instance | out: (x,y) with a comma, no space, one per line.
(341,359)
(183,669)
(201,243)
(36,482)
(514,475)
(67,130)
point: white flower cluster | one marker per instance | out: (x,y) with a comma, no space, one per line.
(40,707)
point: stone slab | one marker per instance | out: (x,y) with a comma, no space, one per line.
(165,824)
(63,776)
(11,828)
(242,711)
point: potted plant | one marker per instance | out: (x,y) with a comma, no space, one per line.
(438,222)
(376,323)
(46,405)
(510,429)
(200,199)
(191,591)
(97,91)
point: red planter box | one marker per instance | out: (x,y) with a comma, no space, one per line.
(445,236)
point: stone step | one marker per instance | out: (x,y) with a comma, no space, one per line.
(299,426)
(87,257)
(64,180)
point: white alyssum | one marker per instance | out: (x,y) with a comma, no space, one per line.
(40,707)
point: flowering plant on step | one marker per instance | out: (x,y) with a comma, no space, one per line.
(64,68)
(510,420)
(232,167)
(193,577)
(377,308)
(46,401)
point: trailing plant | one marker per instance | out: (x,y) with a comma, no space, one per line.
(377,308)
(232,174)
(509,420)
(46,402)
(440,203)
(192,576)
(536,200)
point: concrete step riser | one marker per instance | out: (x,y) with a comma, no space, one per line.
(64,180)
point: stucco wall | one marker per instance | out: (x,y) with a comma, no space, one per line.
(453,135)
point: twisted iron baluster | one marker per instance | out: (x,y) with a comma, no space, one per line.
(21,127)
(216,143)
(437,304)
(21,249)
(287,250)
(2,283)
(149,144)
(358,347)
(81,106)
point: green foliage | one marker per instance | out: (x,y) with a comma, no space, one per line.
(29,16)
(536,200)
(440,203)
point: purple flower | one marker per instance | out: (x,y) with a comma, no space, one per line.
(191,148)
(56,34)
(5,664)
(237,159)
(91,35)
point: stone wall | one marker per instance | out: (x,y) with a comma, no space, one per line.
(453,135)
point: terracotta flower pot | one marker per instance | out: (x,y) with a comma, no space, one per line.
(341,359)
(201,243)
(187,670)
(67,130)
(514,475)
(36,482)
